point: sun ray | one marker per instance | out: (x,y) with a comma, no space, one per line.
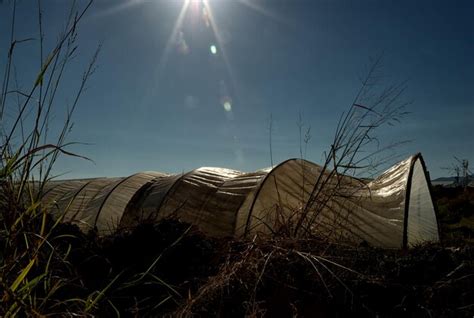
(169,44)
(117,8)
(254,6)
(220,42)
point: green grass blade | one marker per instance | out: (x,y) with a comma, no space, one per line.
(22,275)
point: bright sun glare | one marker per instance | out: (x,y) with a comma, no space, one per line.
(202,10)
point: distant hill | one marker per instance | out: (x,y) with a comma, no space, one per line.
(450,180)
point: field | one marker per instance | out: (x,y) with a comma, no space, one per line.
(176,84)
(172,269)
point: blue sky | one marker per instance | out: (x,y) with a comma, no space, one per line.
(175,109)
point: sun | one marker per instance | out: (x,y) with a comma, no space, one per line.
(199,10)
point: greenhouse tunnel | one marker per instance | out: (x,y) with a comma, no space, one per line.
(393,210)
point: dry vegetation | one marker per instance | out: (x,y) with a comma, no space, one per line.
(49,268)
(172,269)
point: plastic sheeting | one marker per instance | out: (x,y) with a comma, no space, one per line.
(394,210)
(421,223)
(111,203)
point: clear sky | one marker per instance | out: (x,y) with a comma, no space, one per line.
(203,95)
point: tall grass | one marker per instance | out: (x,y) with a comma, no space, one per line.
(37,275)
(355,150)
(47,267)
(354,156)
(31,263)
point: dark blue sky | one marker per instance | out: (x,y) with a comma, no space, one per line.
(148,108)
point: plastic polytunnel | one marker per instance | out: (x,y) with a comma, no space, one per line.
(394,210)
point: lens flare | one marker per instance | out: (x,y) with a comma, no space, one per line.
(213,49)
(227,106)
(220,42)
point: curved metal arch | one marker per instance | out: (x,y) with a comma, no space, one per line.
(171,188)
(208,197)
(95,194)
(137,196)
(192,193)
(64,199)
(195,172)
(75,195)
(114,188)
(260,186)
(407,201)
(141,193)
(258,177)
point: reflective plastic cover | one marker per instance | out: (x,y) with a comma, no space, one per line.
(394,210)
